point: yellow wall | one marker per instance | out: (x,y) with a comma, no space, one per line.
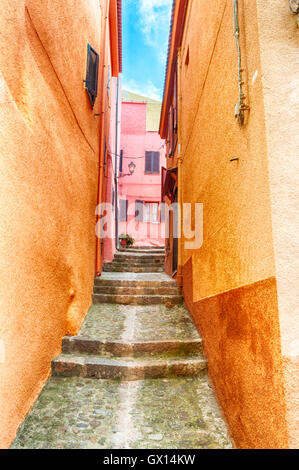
(232,288)
(48,179)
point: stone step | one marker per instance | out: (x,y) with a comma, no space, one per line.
(137,299)
(133,262)
(142,251)
(102,281)
(138,248)
(130,264)
(132,269)
(121,290)
(68,365)
(81,344)
(139,257)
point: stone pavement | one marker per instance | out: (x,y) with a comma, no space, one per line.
(134,377)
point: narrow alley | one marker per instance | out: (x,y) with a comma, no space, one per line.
(139,340)
(149,225)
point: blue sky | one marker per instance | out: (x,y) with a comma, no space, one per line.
(145,42)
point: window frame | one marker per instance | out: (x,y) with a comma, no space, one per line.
(92,93)
(153,153)
(151,221)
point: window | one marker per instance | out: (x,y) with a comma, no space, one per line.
(152,162)
(147,212)
(138,210)
(151,212)
(155,213)
(123,210)
(92,69)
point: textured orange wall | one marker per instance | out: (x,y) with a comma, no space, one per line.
(241,335)
(48,171)
(279,40)
(238,246)
(233,294)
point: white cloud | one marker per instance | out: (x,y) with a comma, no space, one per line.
(145,89)
(154,23)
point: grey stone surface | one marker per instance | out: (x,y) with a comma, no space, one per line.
(75,413)
(139,344)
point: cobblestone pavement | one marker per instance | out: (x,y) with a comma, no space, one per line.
(75,413)
(175,411)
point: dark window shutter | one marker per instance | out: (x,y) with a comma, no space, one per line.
(148,162)
(92,70)
(112,197)
(121,161)
(105,153)
(138,211)
(156,162)
(170,131)
(123,210)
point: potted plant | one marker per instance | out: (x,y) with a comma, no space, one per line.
(126,240)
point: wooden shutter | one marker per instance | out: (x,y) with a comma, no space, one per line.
(138,210)
(92,70)
(121,161)
(123,210)
(148,162)
(156,162)
(170,131)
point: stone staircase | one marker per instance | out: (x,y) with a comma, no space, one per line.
(154,391)
(137,260)
(137,328)
(133,290)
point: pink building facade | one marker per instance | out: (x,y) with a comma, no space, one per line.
(111,171)
(140,210)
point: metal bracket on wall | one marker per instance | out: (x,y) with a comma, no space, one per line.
(241,106)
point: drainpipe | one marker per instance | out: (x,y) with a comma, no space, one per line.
(180,176)
(98,256)
(116,167)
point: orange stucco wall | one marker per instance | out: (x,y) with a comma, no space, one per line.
(279,40)
(49,151)
(231,284)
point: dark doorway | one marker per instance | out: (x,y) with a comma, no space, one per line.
(175,236)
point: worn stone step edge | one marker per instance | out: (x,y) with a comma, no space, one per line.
(125,290)
(133,269)
(139,255)
(107,368)
(99,281)
(139,259)
(138,248)
(82,344)
(137,299)
(122,264)
(143,251)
